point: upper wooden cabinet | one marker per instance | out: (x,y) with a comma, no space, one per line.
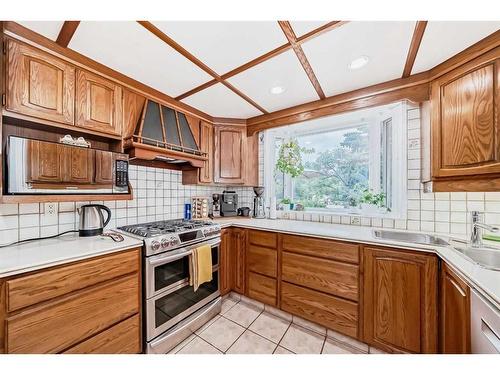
(400,300)
(454,313)
(98,103)
(206,142)
(464,131)
(230,150)
(39,84)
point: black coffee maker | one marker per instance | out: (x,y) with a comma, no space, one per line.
(229,203)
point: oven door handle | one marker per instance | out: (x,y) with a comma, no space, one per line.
(167,258)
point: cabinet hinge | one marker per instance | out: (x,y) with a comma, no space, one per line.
(4,101)
(4,47)
(439,264)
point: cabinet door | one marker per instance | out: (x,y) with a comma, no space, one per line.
(454,309)
(78,165)
(465,128)
(225,262)
(238,254)
(44,164)
(39,84)
(400,300)
(98,103)
(103,167)
(230,150)
(207,145)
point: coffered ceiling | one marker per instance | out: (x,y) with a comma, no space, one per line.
(245,69)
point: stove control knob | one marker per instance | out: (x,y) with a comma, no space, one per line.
(164,243)
(173,241)
(155,245)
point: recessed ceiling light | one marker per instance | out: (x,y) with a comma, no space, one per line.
(358,62)
(276,90)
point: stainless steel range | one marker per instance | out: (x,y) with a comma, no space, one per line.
(172,309)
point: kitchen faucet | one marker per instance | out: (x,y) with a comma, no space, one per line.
(476,238)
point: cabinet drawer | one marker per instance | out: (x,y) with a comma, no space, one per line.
(323,275)
(262,288)
(262,260)
(123,338)
(44,285)
(334,313)
(262,238)
(342,251)
(51,328)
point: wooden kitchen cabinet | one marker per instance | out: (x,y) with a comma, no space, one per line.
(225,261)
(238,255)
(230,150)
(98,103)
(400,300)
(89,306)
(462,141)
(103,167)
(454,313)
(204,135)
(39,84)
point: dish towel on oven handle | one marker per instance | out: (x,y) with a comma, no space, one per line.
(200,266)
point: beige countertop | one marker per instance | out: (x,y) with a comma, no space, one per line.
(487,282)
(67,248)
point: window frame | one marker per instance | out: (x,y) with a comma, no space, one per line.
(397,113)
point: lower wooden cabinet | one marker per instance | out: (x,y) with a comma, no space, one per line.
(80,307)
(329,311)
(262,288)
(454,313)
(400,300)
(238,256)
(225,271)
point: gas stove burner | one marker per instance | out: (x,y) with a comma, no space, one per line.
(157,228)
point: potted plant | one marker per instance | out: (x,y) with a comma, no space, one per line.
(371,202)
(286,203)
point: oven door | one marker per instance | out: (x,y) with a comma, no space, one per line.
(169,270)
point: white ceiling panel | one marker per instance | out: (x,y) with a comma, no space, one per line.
(49,29)
(130,49)
(303,27)
(224,45)
(283,70)
(219,101)
(385,43)
(443,39)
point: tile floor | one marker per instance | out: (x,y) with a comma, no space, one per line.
(248,327)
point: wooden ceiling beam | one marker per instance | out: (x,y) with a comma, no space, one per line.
(188,55)
(269,55)
(67,31)
(292,39)
(418,34)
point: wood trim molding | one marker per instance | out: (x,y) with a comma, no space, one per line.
(418,34)
(172,43)
(292,39)
(67,31)
(269,55)
(414,88)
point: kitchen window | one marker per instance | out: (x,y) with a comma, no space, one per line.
(354,163)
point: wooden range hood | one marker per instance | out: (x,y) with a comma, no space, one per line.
(163,137)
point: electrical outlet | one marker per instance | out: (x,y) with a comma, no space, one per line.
(50,209)
(355,220)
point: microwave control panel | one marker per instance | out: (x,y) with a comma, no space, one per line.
(121,174)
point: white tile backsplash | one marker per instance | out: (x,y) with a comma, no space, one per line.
(158,195)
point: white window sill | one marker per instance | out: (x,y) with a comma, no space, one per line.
(357,213)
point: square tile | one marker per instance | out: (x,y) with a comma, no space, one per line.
(334,347)
(207,324)
(251,343)
(227,304)
(269,326)
(242,314)
(222,333)
(282,350)
(302,341)
(199,346)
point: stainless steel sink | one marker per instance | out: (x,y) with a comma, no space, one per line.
(487,257)
(417,238)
